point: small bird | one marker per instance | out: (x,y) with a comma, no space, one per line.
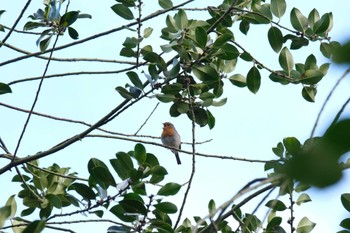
(170,137)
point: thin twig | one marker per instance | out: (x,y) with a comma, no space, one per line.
(144,123)
(193,155)
(35,101)
(327,99)
(16,22)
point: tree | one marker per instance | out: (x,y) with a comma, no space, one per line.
(199,57)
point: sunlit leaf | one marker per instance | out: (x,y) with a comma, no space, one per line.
(169,189)
(278,7)
(305,225)
(286,60)
(298,20)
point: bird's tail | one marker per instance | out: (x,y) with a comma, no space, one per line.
(177,157)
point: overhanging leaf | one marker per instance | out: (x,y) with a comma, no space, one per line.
(123,11)
(4,88)
(253,80)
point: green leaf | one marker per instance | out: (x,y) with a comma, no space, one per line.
(118,211)
(345,200)
(83,190)
(127,52)
(73,33)
(162,226)
(133,206)
(305,225)
(278,7)
(151,57)
(32,25)
(238,80)
(134,78)
(303,198)
(166,207)
(222,40)
(313,17)
(309,93)
(169,189)
(35,227)
(122,165)
(273,223)
(4,88)
(69,18)
(326,49)
(54,200)
(212,207)
(44,44)
(292,145)
(165,98)
(140,153)
(286,60)
(244,26)
(253,80)
(147,32)
(205,73)
(322,24)
(201,37)
(276,205)
(211,119)
(298,20)
(311,77)
(165,4)
(345,223)
(181,20)
(124,93)
(275,38)
(123,11)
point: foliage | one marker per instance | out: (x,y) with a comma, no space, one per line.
(188,72)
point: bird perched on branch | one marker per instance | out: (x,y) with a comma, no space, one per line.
(170,137)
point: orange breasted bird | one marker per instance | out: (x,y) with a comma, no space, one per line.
(170,137)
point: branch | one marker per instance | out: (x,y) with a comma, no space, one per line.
(68,59)
(16,22)
(150,16)
(327,99)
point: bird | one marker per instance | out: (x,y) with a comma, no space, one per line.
(170,137)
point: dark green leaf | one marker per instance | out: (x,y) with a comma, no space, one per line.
(238,80)
(134,78)
(165,4)
(299,42)
(276,205)
(73,33)
(309,93)
(44,44)
(201,117)
(54,200)
(169,189)
(166,207)
(122,165)
(244,26)
(140,153)
(275,38)
(211,119)
(205,73)
(165,98)
(345,223)
(276,221)
(311,77)
(123,11)
(35,227)
(127,52)
(162,226)
(201,37)
(292,145)
(222,40)
(326,49)
(4,88)
(278,7)
(345,200)
(124,93)
(69,18)
(298,20)
(118,211)
(313,17)
(253,80)
(32,25)
(211,207)
(323,24)
(286,60)
(133,206)
(83,190)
